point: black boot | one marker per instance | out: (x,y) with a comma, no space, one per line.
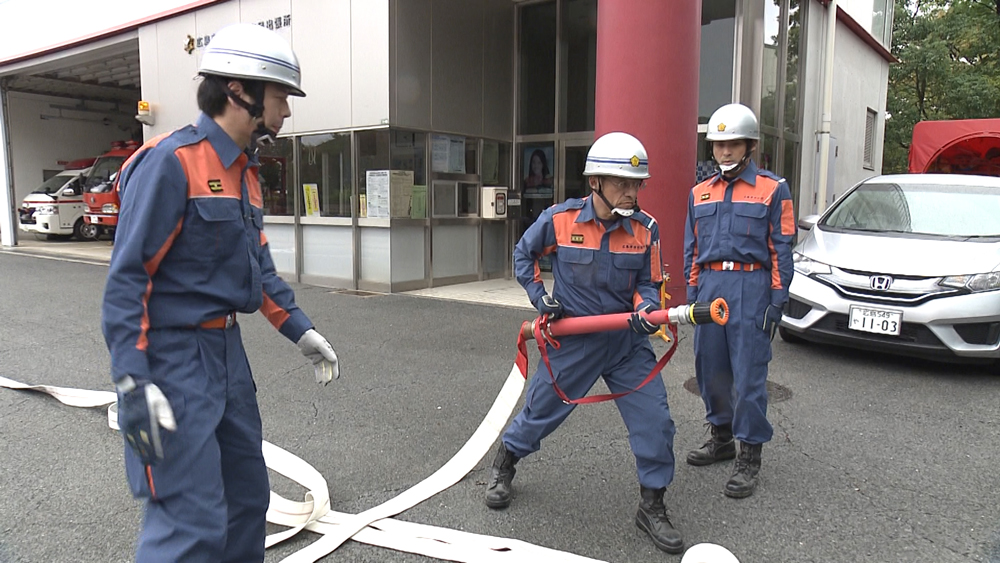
(652,519)
(744,478)
(498,495)
(719,447)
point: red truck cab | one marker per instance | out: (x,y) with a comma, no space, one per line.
(101,190)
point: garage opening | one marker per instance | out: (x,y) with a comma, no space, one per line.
(64,113)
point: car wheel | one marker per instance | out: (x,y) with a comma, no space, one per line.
(788,336)
(78,229)
(90,231)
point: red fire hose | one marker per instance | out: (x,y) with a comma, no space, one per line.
(545,332)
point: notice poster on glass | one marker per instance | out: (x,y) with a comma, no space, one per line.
(310,195)
(377,193)
(448,153)
(456,155)
(400,191)
(440,145)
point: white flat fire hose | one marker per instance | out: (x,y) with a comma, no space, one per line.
(375,525)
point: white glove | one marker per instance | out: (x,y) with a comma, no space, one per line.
(324,359)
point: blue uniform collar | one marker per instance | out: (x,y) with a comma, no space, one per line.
(588,214)
(749,174)
(224,145)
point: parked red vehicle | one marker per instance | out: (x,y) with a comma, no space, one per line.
(101,190)
(961,146)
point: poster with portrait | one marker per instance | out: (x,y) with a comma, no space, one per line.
(537,185)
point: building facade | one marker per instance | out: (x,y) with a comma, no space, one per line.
(417,108)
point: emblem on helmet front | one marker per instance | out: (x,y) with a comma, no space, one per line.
(634,161)
(722,127)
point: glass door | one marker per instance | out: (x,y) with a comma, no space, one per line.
(572,158)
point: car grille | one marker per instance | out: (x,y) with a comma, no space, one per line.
(979,333)
(904,290)
(797,309)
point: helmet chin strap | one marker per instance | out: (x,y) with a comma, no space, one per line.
(620,211)
(261,136)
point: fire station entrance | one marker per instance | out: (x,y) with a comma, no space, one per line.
(556,83)
(61,111)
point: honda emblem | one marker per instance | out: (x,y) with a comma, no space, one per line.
(880,283)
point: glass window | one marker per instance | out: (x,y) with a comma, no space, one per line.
(325,161)
(792,67)
(916,208)
(537,78)
(471,156)
(496,163)
(768,159)
(468,199)
(772,56)
(373,154)
(445,200)
(409,152)
(578,75)
(275,176)
(790,170)
(718,38)
(705,167)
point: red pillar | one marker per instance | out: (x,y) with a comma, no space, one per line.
(647,85)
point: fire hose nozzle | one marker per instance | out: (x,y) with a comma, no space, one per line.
(696,313)
(699,313)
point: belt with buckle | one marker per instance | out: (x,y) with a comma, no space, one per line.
(728,266)
(220,323)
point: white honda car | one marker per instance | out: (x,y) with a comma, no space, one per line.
(907,264)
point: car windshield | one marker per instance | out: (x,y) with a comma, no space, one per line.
(53,184)
(104,170)
(937,210)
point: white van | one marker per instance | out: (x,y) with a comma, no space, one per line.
(56,207)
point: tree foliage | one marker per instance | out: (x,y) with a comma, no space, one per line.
(949,53)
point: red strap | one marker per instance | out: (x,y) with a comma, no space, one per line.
(542,338)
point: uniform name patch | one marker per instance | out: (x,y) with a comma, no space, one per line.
(576,239)
(705,196)
(215,185)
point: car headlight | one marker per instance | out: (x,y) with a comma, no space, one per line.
(807,266)
(47,210)
(974,282)
(109,208)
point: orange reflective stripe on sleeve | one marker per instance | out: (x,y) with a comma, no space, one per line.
(775,274)
(274,313)
(655,264)
(151,266)
(787,218)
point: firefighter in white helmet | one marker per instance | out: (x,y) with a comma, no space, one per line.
(605,259)
(189,254)
(737,245)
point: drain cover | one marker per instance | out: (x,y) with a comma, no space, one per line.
(356,292)
(776,393)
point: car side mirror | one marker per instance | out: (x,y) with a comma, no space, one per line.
(69,191)
(808,222)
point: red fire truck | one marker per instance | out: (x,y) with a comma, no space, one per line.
(101,190)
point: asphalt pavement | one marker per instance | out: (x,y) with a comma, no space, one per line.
(874,458)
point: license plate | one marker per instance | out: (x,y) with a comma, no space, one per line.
(878,321)
(95,219)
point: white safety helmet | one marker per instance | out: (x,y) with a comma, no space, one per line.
(731,122)
(617,154)
(246,50)
(708,553)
